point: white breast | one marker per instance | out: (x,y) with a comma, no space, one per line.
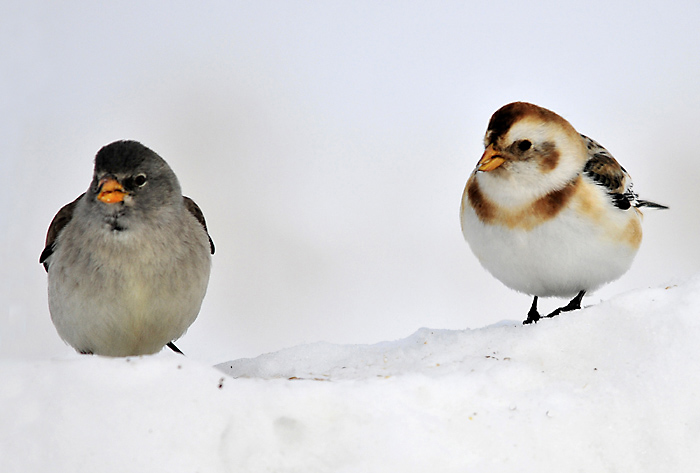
(585,246)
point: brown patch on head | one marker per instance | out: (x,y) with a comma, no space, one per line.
(506,116)
(525,217)
(549,157)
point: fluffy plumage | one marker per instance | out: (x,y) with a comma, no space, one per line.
(128,261)
(548,211)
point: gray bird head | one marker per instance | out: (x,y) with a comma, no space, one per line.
(131,180)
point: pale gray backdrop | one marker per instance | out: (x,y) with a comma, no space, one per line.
(328,144)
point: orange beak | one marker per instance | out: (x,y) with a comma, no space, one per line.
(111,191)
(490,160)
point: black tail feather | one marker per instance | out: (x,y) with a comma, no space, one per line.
(651,205)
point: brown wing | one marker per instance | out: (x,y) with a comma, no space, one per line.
(197,212)
(605,171)
(59,221)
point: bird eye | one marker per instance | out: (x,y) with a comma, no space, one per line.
(524,145)
(140,180)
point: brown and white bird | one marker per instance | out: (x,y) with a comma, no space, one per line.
(548,211)
(128,261)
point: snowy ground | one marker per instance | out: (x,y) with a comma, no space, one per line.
(614,387)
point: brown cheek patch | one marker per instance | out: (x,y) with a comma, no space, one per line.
(526,217)
(549,157)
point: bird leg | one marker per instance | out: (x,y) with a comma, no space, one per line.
(573,305)
(172,346)
(532,315)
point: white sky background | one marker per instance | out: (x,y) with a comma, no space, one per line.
(328,145)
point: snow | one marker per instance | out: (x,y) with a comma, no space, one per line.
(612,387)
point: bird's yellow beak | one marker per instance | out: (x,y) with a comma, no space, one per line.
(490,160)
(111,191)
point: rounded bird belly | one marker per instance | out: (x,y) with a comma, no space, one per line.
(559,258)
(130,307)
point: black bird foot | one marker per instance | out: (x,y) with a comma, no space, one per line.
(575,304)
(534,316)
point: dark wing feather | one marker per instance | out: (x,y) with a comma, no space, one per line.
(59,221)
(605,171)
(197,212)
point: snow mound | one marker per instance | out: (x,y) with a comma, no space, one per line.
(609,388)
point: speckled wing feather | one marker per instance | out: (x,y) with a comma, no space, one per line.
(605,171)
(199,215)
(59,221)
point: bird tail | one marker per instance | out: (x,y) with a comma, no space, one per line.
(651,205)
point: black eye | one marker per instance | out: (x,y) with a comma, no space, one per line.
(140,180)
(524,145)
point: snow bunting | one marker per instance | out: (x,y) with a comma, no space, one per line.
(128,261)
(548,211)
